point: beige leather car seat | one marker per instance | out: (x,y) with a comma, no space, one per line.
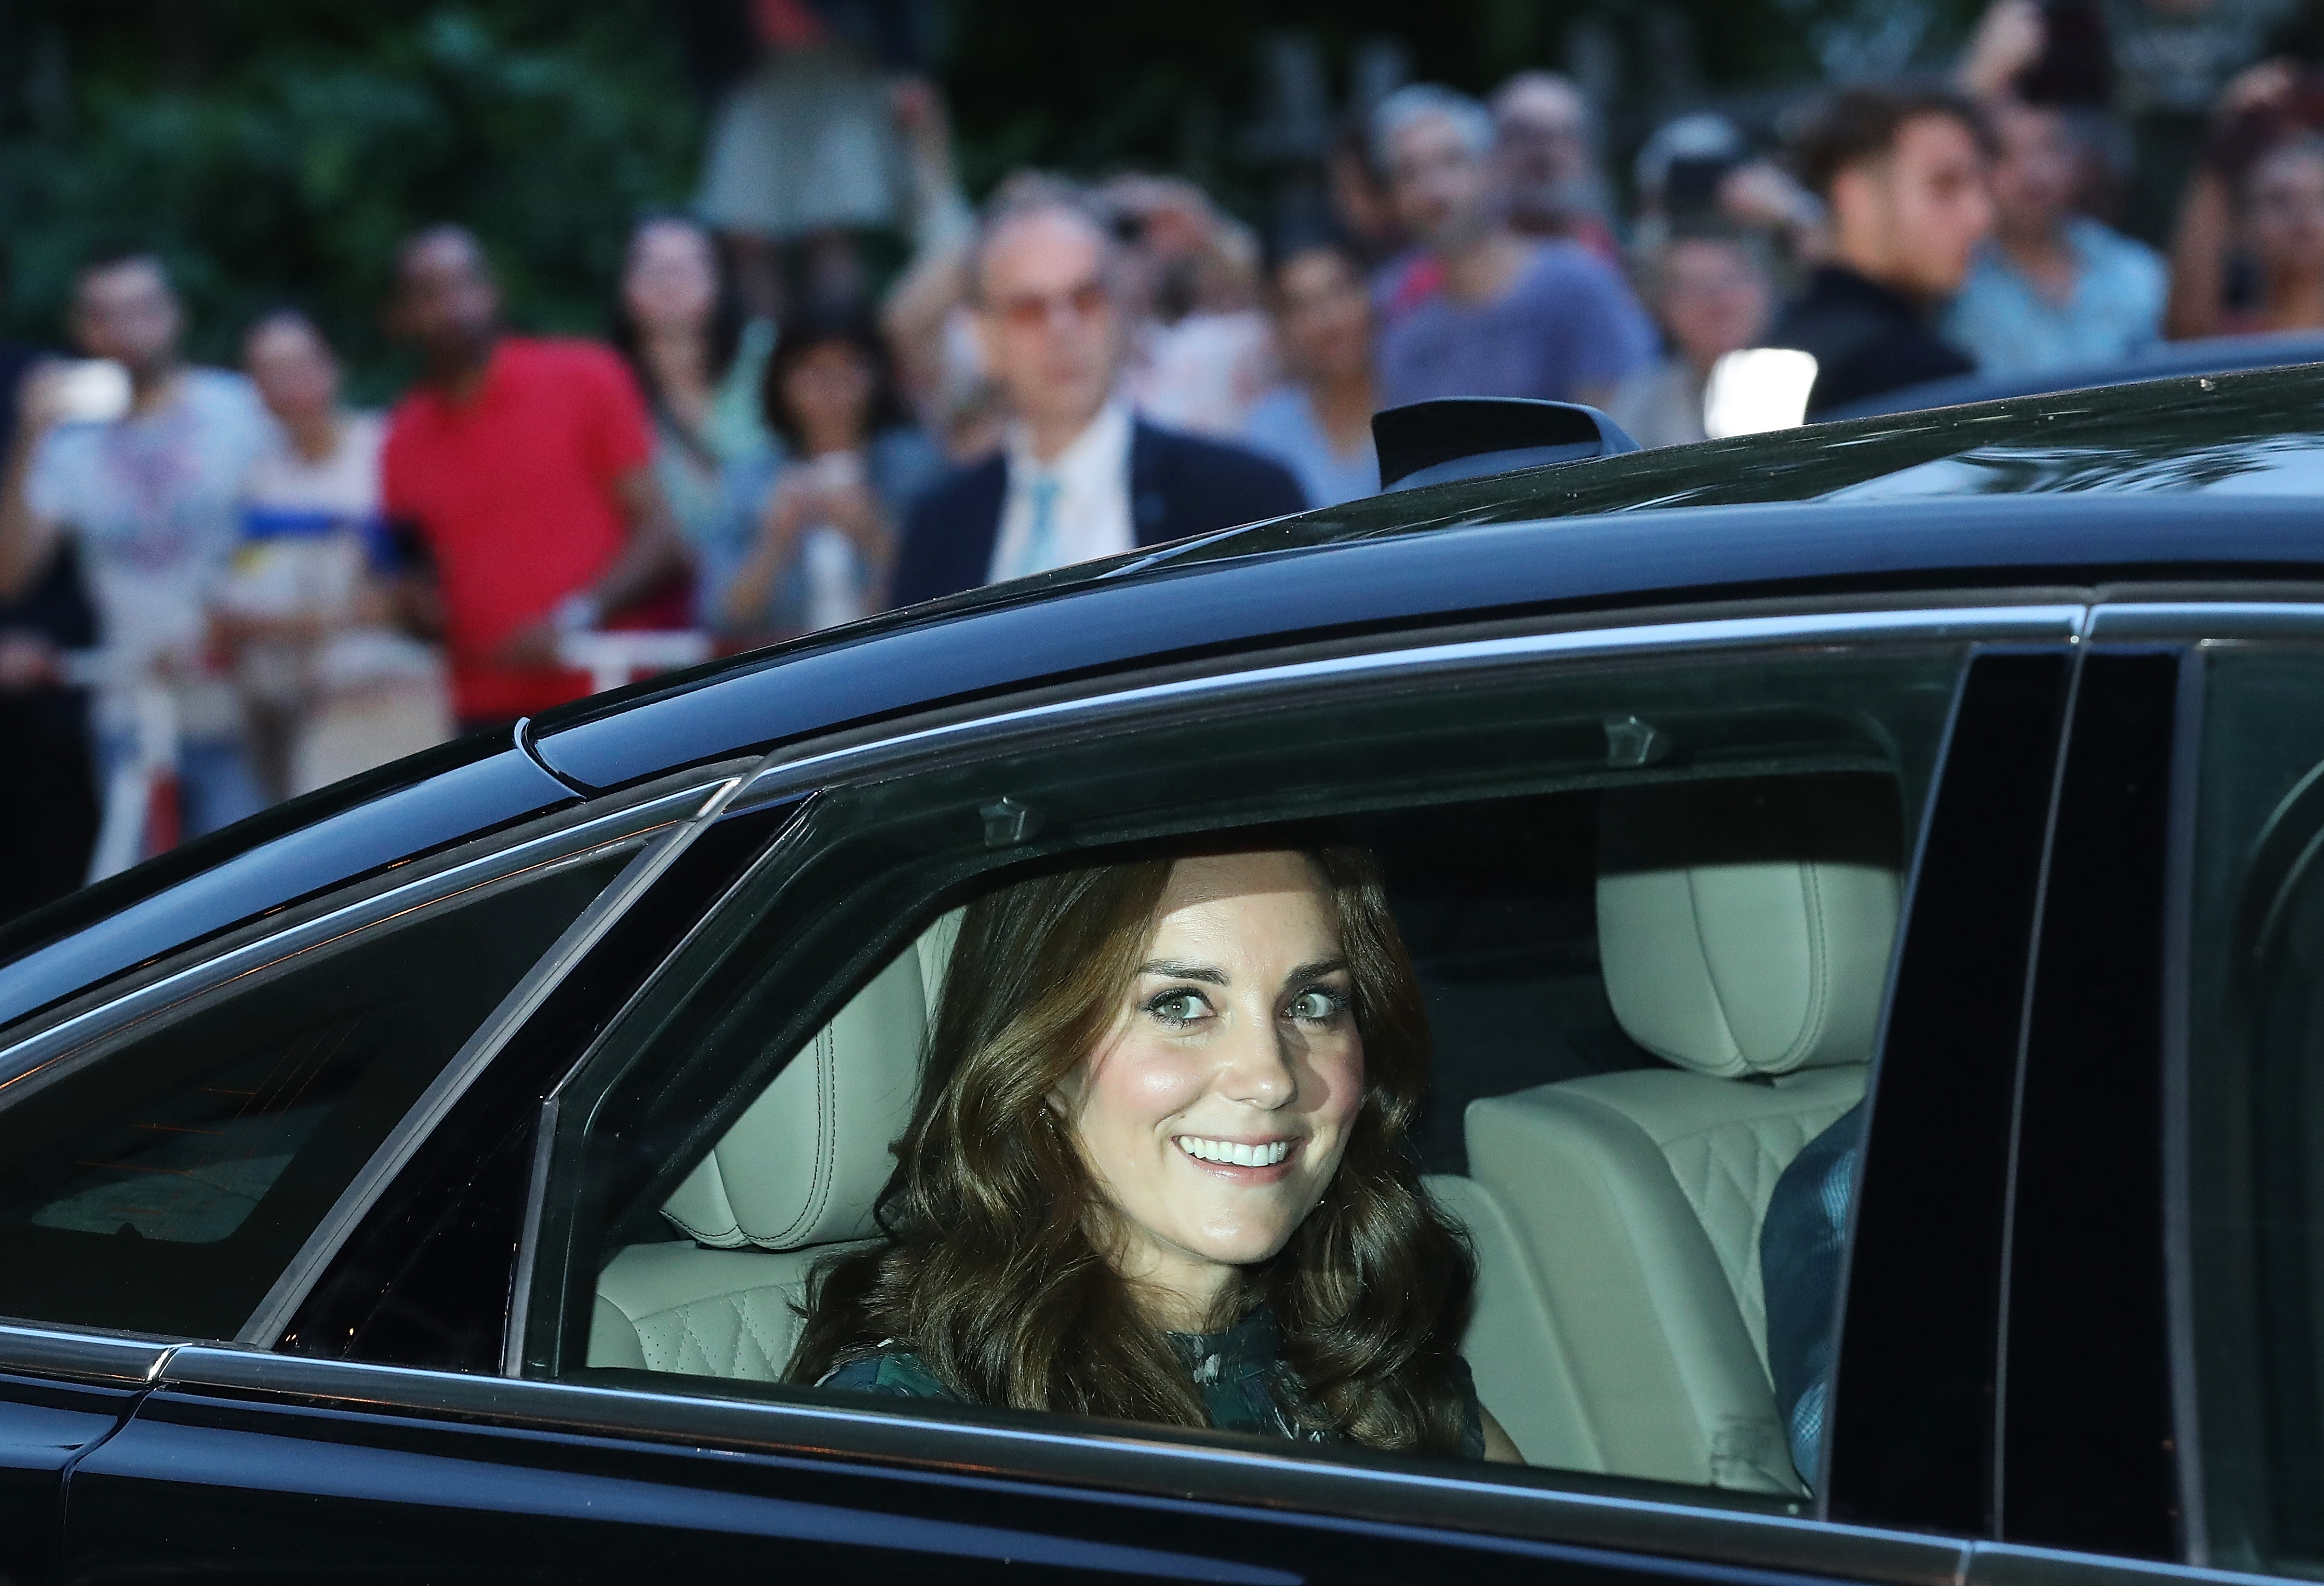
(795,1179)
(1636,1197)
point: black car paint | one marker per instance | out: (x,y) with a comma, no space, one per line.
(469,800)
(241,1477)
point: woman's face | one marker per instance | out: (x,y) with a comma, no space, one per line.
(2287,212)
(1325,314)
(670,281)
(295,373)
(1714,299)
(828,389)
(1214,1112)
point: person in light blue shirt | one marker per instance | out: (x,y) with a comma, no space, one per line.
(1321,427)
(2052,289)
(152,498)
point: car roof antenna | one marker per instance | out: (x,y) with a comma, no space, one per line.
(1468,438)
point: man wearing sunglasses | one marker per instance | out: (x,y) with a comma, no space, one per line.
(1079,476)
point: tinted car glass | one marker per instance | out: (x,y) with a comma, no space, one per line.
(162,1183)
(2255,1109)
(1512,817)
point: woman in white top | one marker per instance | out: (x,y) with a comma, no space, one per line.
(851,463)
(328,688)
(1321,427)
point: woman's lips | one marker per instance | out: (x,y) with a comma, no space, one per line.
(1250,1162)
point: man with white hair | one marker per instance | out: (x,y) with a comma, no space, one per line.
(1079,476)
(1513,316)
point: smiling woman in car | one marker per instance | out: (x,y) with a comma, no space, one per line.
(1158,1168)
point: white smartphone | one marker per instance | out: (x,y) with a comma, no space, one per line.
(93,390)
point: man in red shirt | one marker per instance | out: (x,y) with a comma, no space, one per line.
(521,466)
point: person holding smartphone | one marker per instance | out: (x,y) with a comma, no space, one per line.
(151,499)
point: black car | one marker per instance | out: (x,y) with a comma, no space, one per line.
(415,1183)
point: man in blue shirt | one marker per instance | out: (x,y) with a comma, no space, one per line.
(1511,317)
(2051,290)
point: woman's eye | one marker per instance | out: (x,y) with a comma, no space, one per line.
(1315,1005)
(1178,1008)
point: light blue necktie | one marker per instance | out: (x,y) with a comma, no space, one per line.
(1040,551)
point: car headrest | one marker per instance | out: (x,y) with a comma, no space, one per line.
(1744,927)
(806,1162)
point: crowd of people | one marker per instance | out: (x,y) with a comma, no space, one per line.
(760,447)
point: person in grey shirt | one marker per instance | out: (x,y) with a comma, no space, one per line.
(1512,316)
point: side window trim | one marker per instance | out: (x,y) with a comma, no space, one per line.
(2178,1145)
(659,850)
(84,1356)
(59,1049)
(825,760)
(2131,621)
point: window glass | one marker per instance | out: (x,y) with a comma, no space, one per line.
(163,1183)
(2255,1108)
(1639,917)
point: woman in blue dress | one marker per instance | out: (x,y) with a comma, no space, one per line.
(1157,1169)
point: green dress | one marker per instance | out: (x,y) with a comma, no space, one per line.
(1243,1384)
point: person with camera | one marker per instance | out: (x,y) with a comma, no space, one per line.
(2258,199)
(149,498)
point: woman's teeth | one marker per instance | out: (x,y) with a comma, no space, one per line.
(1234,1152)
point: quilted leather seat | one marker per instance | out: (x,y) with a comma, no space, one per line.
(795,1179)
(1751,953)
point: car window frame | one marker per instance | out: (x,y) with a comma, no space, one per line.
(819,765)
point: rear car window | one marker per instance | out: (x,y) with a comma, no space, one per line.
(162,1183)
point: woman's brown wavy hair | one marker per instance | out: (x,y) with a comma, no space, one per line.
(990,1273)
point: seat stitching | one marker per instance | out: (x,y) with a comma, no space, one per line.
(766,1344)
(1711,979)
(826,1085)
(1819,976)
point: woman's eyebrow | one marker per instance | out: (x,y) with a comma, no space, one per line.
(1179,970)
(1317,971)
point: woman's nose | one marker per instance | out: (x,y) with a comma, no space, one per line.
(1259,1065)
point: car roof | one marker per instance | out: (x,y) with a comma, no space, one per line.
(2086,487)
(2210,354)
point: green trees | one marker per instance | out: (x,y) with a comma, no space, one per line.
(277,153)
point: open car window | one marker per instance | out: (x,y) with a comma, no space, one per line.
(1650,907)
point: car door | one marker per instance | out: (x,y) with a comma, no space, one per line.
(2162,1328)
(177,1149)
(387,1432)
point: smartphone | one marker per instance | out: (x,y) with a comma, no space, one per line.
(90,391)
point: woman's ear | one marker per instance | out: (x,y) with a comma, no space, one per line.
(1064,1097)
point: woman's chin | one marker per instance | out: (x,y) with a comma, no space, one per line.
(1241,1243)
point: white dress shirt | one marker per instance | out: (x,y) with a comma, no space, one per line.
(1072,510)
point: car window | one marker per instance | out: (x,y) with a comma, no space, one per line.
(2254,1234)
(161,1179)
(1647,909)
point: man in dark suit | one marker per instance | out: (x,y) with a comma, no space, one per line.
(1079,477)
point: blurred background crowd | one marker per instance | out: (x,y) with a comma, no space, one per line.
(379,373)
